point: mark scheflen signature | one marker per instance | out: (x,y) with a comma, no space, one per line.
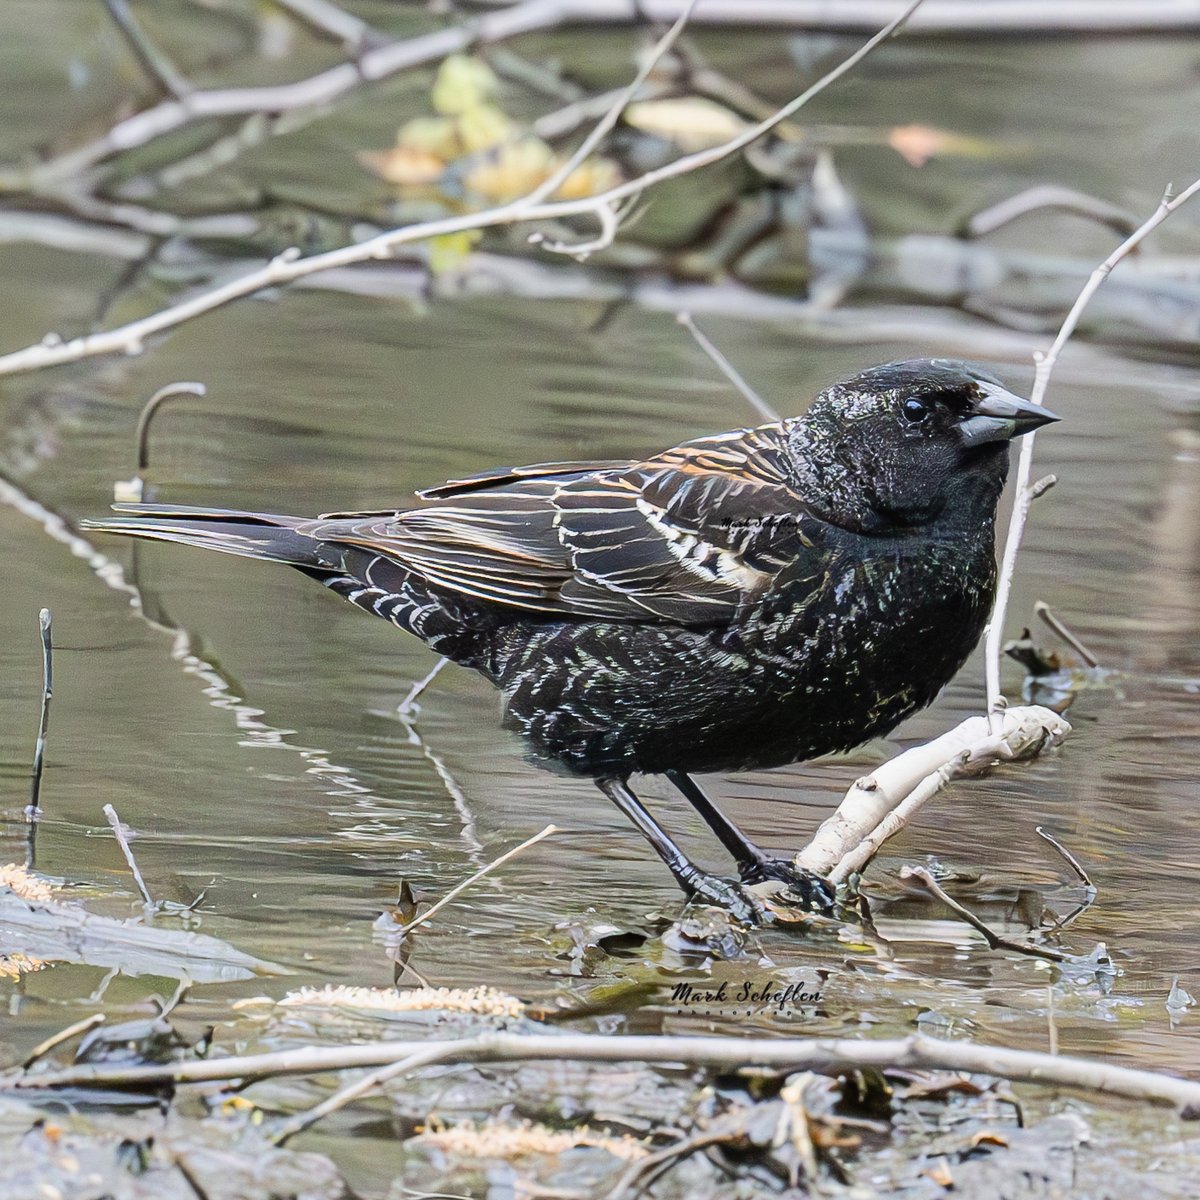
(764,523)
(748,996)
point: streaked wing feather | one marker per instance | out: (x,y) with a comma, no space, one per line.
(670,539)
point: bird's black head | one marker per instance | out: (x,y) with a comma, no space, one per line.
(903,443)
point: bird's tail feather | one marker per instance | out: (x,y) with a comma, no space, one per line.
(250,535)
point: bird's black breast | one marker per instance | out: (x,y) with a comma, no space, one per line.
(839,653)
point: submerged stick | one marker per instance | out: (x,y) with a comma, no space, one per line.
(347,1095)
(33,813)
(729,1053)
(1043,610)
(994,940)
(123,841)
(131,490)
(86,1025)
(466,883)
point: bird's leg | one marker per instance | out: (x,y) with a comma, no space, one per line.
(695,882)
(754,863)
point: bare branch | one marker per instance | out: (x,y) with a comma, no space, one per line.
(290,266)
(1023,492)
(329,21)
(1042,609)
(1068,857)
(153,61)
(730,1053)
(940,16)
(121,833)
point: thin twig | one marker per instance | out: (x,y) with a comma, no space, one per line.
(290,266)
(1027,17)
(152,60)
(132,490)
(634,1180)
(347,1095)
(415,692)
(171,390)
(123,841)
(63,1035)
(727,1053)
(994,940)
(613,114)
(1067,856)
(466,883)
(1042,609)
(34,811)
(330,21)
(1045,364)
(727,368)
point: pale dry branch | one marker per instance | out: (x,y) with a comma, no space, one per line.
(327,20)
(728,1053)
(880,804)
(290,266)
(1068,635)
(939,16)
(355,1091)
(1024,495)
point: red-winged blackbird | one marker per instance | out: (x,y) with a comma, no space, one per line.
(739,601)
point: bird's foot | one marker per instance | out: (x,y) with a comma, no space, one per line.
(816,893)
(729,895)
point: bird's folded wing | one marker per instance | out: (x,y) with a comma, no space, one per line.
(685,537)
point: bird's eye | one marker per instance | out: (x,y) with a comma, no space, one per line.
(915,410)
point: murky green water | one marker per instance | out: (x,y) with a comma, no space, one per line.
(284,783)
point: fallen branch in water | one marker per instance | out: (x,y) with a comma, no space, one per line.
(880,804)
(727,1053)
(994,940)
(290,265)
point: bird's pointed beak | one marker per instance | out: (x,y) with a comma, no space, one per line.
(999,416)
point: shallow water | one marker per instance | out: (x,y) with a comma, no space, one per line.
(275,772)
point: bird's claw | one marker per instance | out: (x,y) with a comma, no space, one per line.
(814,892)
(729,895)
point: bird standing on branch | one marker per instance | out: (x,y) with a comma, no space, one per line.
(740,601)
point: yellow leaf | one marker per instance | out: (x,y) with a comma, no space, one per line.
(450,250)
(512,171)
(482,127)
(462,83)
(437,135)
